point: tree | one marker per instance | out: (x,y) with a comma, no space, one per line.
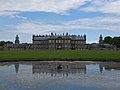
(116,41)
(9,42)
(108,40)
(112,41)
(4,42)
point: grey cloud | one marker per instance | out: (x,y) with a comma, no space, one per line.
(55,6)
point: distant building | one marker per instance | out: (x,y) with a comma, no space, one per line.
(16,45)
(94,46)
(58,42)
(1,48)
(17,42)
(100,40)
(105,46)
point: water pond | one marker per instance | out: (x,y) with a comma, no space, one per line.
(60,75)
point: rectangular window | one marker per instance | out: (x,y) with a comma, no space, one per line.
(49,41)
(59,41)
(53,41)
(68,41)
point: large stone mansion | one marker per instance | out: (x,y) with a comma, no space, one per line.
(56,42)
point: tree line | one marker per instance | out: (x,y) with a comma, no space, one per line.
(112,41)
(5,42)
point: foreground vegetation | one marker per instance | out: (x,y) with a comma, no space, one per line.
(60,54)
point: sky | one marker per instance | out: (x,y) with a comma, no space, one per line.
(39,17)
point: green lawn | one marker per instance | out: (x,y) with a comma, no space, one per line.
(61,54)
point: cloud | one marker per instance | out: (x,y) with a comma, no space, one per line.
(10,7)
(97,23)
(55,6)
(34,27)
(7,13)
(18,17)
(104,6)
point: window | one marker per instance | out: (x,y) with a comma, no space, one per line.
(49,41)
(68,41)
(53,41)
(59,41)
(56,41)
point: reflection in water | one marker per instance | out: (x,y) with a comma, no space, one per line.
(59,75)
(110,66)
(16,67)
(66,68)
(58,68)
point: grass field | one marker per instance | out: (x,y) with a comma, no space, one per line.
(61,54)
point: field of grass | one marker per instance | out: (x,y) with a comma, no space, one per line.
(60,54)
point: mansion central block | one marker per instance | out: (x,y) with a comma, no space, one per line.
(57,42)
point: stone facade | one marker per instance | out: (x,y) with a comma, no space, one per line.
(59,42)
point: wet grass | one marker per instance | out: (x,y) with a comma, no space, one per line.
(60,54)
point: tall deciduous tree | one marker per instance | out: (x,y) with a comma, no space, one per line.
(108,39)
(116,41)
(112,41)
